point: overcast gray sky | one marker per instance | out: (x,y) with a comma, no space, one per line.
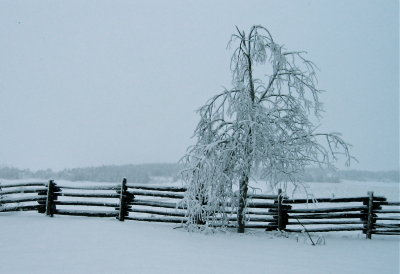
(86,83)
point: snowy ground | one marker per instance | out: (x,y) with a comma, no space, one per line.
(34,243)
(390,190)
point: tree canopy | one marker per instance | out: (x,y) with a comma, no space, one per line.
(263,124)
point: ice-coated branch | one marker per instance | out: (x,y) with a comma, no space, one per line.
(256,126)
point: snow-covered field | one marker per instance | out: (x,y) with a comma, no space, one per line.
(390,190)
(34,243)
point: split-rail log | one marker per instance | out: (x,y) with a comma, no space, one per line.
(369,214)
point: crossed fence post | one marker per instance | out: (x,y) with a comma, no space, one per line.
(370,217)
(280,214)
(125,199)
(51,196)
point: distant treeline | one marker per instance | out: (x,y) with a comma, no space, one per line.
(145,173)
(361,175)
(134,173)
(335,176)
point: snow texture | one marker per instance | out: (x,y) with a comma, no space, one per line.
(33,243)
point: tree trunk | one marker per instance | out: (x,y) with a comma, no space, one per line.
(200,197)
(243,187)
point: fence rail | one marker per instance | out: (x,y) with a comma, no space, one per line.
(369,214)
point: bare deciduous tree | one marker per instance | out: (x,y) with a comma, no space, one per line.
(260,125)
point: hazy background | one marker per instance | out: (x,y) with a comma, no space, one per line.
(87,83)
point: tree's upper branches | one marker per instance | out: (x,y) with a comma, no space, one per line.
(260,124)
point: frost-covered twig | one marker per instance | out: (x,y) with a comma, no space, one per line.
(256,126)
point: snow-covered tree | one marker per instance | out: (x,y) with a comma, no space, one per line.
(263,124)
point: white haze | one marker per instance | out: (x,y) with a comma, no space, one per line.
(85,83)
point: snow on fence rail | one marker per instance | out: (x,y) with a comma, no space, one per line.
(364,214)
(370,214)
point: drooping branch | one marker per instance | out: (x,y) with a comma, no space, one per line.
(256,125)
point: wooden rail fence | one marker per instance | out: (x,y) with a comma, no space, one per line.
(370,214)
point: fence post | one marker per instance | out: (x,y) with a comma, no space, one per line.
(1,197)
(50,199)
(370,221)
(122,201)
(281,225)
